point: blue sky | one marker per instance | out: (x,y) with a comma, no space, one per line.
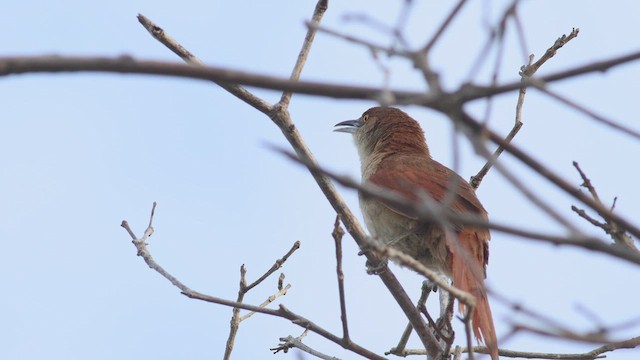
(82,152)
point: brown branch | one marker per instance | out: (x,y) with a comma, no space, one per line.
(289,342)
(238,91)
(427,288)
(533,355)
(551,52)
(474,92)
(234,324)
(619,235)
(545,172)
(143,251)
(625,344)
(337,234)
(495,33)
(441,29)
(277,265)
(128,65)
(296,319)
(591,337)
(432,212)
(593,354)
(321,7)
(281,291)
(282,312)
(124,64)
(526,73)
(244,288)
(599,118)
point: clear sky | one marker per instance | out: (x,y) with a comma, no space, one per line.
(81,152)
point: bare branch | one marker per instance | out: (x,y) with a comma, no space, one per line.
(619,236)
(473,92)
(551,52)
(599,118)
(431,212)
(143,251)
(277,265)
(321,7)
(282,312)
(238,91)
(427,288)
(525,74)
(555,179)
(533,355)
(291,342)
(270,299)
(234,324)
(235,317)
(126,64)
(445,24)
(337,237)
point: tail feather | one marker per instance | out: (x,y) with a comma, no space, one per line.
(467,270)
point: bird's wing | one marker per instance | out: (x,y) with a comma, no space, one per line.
(469,250)
(412,177)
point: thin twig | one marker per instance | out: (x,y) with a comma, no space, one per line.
(277,265)
(18,65)
(143,251)
(526,73)
(236,319)
(289,342)
(532,355)
(545,172)
(432,213)
(238,91)
(321,7)
(285,313)
(337,234)
(495,34)
(619,235)
(597,117)
(234,324)
(127,64)
(270,299)
(477,179)
(441,29)
(427,287)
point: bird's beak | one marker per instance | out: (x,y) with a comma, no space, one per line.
(350,126)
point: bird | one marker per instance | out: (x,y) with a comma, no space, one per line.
(394,155)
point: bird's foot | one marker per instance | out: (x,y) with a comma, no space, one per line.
(377,268)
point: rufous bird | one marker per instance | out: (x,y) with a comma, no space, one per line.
(394,155)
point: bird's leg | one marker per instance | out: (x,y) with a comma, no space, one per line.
(446,314)
(377,268)
(373,267)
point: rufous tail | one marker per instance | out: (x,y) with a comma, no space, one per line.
(467,271)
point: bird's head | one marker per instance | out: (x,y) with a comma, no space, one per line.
(385,129)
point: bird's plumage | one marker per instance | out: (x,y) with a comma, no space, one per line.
(395,156)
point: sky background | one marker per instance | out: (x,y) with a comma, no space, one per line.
(81,152)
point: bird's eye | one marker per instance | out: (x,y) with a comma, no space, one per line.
(365,118)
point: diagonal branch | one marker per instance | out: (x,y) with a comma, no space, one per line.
(619,236)
(321,7)
(525,73)
(431,212)
(238,91)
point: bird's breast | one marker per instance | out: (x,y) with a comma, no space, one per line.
(421,241)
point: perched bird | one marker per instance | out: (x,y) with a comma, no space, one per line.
(394,155)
